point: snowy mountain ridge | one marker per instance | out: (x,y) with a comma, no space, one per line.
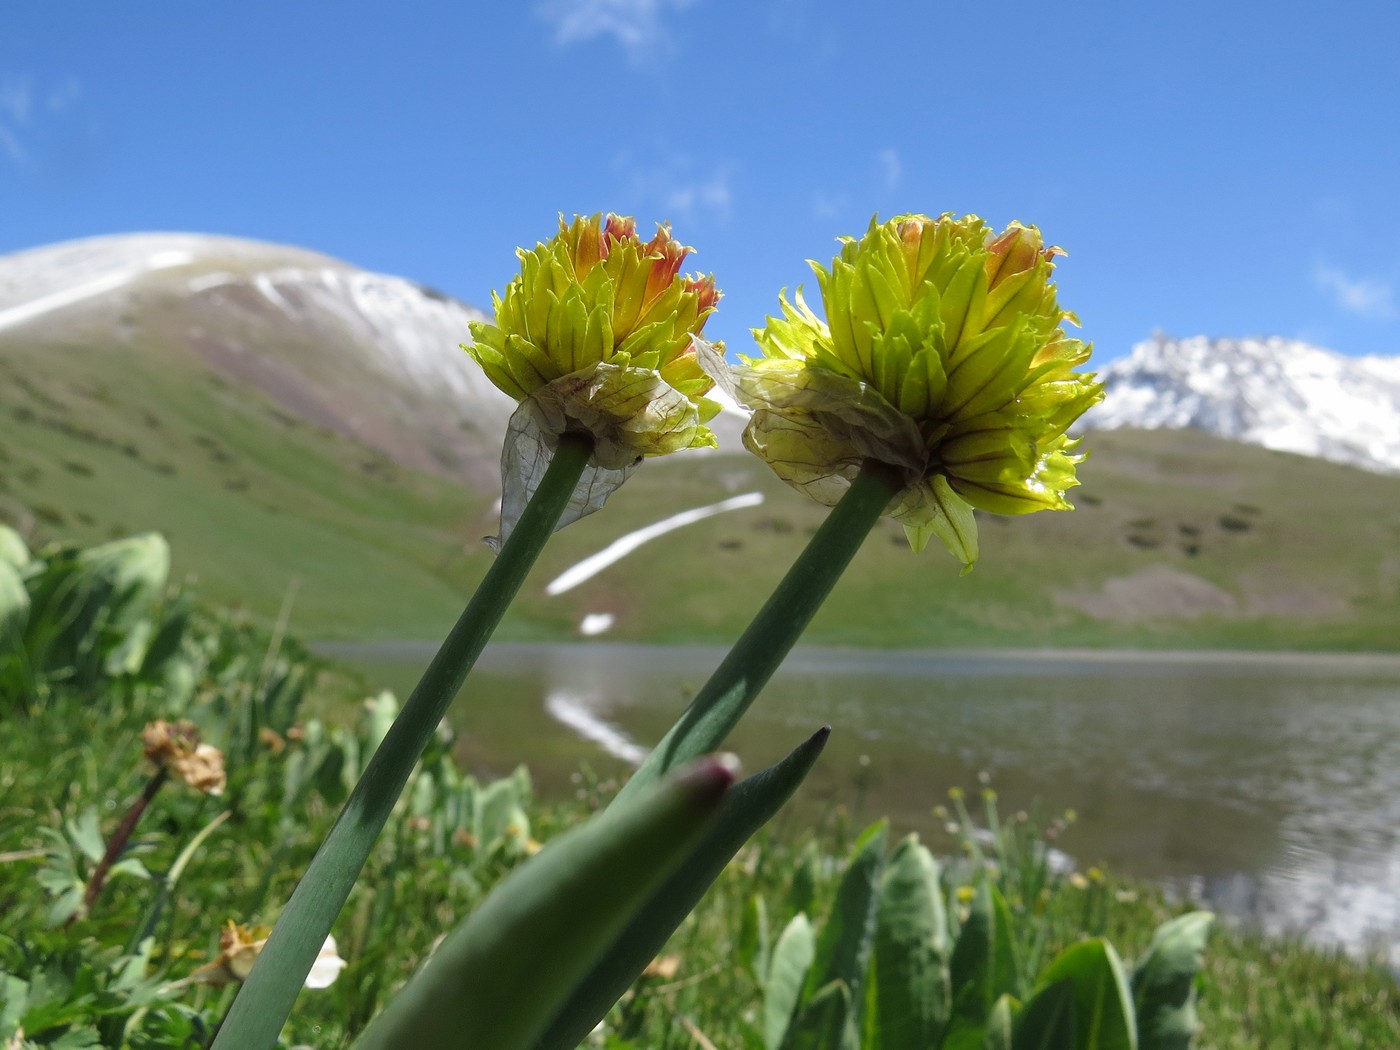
(1280,393)
(371,356)
(406,323)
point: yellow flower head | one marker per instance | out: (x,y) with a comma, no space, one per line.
(943,354)
(599,326)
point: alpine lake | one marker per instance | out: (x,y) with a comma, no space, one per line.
(1266,786)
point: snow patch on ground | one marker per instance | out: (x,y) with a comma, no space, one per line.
(596,623)
(625,545)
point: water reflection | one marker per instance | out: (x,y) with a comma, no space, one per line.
(1266,785)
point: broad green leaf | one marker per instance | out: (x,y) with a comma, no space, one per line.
(825,1022)
(792,958)
(911,952)
(65,907)
(755,948)
(843,950)
(964,1035)
(87,835)
(805,875)
(130,866)
(13,550)
(983,966)
(86,602)
(502,813)
(1164,983)
(1046,1022)
(498,979)
(747,808)
(1000,1024)
(129,655)
(14,605)
(1103,1005)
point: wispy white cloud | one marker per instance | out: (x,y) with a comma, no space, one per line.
(1364,296)
(10,147)
(891,169)
(63,97)
(826,206)
(681,190)
(30,113)
(16,101)
(636,24)
(711,194)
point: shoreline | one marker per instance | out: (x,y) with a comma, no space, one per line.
(852,658)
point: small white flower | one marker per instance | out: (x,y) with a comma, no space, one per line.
(327,966)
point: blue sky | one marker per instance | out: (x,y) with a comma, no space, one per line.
(1220,168)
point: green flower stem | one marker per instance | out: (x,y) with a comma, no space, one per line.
(266,998)
(776,628)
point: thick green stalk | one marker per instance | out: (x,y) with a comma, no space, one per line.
(776,628)
(267,997)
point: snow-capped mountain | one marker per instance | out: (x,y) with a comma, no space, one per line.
(1278,393)
(364,354)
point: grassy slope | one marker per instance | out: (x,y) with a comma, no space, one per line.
(106,443)
(1304,551)
(100,441)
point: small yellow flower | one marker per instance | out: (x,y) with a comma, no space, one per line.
(599,325)
(943,355)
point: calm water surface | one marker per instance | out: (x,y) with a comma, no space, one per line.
(1267,786)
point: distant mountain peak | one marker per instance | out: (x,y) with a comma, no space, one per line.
(372,356)
(1280,393)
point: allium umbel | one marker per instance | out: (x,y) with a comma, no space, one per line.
(943,355)
(595,312)
(597,335)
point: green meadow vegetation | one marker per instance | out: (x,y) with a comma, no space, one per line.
(105,649)
(1179,540)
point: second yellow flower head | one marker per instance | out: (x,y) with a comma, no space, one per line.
(943,354)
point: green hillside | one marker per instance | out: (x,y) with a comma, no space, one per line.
(1180,539)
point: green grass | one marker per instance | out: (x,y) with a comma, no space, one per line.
(283,792)
(254,503)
